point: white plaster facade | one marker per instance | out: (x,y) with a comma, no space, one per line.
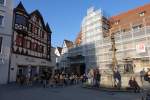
(20,60)
(92,32)
(6,10)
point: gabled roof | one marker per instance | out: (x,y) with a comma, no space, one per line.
(68,43)
(48,28)
(59,49)
(131,15)
(37,12)
(20,7)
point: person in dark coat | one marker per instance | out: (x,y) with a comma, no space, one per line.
(136,86)
(98,78)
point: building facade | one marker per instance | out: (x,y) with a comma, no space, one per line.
(31,45)
(58,56)
(6,16)
(94,25)
(131,31)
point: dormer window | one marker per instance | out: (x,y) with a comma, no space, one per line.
(142,13)
(117,22)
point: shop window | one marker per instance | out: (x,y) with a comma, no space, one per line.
(28,44)
(0,43)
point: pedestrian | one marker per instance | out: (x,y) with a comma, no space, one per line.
(130,83)
(117,79)
(98,78)
(44,78)
(142,73)
(136,86)
(147,76)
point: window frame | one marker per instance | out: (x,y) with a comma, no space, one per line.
(20,19)
(2,20)
(4,4)
(1,41)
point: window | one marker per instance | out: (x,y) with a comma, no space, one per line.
(2,2)
(0,43)
(19,40)
(1,20)
(24,43)
(117,22)
(36,30)
(34,46)
(142,13)
(43,35)
(28,44)
(20,20)
(30,27)
(34,18)
(137,27)
(42,49)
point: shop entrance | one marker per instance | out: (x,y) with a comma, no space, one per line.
(78,69)
(22,70)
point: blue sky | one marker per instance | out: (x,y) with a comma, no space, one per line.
(65,16)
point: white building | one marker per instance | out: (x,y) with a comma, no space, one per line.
(58,51)
(63,61)
(93,27)
(6,14)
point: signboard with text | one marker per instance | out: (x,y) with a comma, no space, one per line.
(140,48)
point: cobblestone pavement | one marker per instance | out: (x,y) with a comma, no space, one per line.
(13,92)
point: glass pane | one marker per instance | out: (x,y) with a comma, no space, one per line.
(1,19)
(0,43)
(2,2)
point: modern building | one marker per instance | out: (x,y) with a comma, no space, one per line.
(6,16)
(131,30)
(31,47)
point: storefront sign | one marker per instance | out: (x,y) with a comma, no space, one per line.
(30,60)
(140,48)
(43,62)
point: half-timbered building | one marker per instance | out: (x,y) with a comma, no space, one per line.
(31,45)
